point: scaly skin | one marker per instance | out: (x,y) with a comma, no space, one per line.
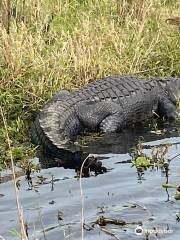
(107,105)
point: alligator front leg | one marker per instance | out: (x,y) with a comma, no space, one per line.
(112,123)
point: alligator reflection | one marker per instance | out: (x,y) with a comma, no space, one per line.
(117,143)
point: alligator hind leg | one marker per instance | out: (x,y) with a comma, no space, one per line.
(106,116)
(112,123)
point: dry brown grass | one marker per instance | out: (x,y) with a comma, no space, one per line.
(49,45)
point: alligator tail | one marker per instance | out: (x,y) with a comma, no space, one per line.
(54,129)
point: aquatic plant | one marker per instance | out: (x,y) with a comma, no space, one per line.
(156,159)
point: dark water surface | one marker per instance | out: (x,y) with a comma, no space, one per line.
(117,194)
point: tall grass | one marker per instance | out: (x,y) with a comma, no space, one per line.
(49,45)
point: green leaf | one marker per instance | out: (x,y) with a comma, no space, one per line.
(177,196)
(169,185)
(142,162)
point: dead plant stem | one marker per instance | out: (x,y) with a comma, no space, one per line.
(19,209)
(82,198)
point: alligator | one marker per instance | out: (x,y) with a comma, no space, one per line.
(107,105)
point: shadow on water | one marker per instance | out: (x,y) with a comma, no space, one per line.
(123,142)
(120,204)
(99,144)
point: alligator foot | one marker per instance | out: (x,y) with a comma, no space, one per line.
(91,164)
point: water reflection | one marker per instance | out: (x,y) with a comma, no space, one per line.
(52,204)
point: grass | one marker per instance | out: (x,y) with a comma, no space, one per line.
(49,45)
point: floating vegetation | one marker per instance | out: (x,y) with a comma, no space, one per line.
(177,196)
(169,185)
(103,221)
(155,160)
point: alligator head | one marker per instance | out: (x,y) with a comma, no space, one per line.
(169,108)
(173,90)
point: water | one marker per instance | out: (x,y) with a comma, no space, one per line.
(53,211)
